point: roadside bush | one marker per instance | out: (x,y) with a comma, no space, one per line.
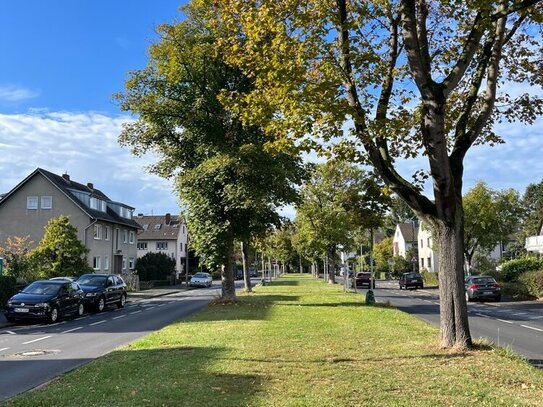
(216,275)
(430,279)
(533,281)
(155,266)
(161,283)
(7,289)
(512,269)
(516,290)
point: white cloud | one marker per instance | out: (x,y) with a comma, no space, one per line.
(12,93)
(84,145)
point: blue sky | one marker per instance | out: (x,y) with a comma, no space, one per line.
(62,60)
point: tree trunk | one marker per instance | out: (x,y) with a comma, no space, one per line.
(244,259)
(331,266)
(453,308)
(227,275)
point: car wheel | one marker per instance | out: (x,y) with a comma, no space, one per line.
(80,310)
(101,304)
(467,297)
(122,301)
(53,316)
(498,298)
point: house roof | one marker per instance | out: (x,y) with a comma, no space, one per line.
(66,186)
(158,228)
(408,232)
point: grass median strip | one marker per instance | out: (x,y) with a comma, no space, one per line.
(296,342)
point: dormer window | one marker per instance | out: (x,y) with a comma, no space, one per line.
(158,226)
(146,226)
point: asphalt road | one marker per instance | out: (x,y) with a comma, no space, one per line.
(31,355)
(518,325)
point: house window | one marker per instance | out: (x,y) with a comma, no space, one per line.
(95,203)
(124,262)
(421,262)
(125,236)
(97,232)
(131,262)
(106,233)
(421,245)
(31,202)
(106,263)
(428,245)
(96,263)
(146,226)
(142,245)
(132,237)
(429,262)
(46,202)
(158,226)
(162,245)
(104,206)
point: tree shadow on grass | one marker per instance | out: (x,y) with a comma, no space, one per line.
(342,304)
(284,282)
(179,376)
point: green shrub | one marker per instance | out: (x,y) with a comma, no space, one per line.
(155,266)
(533,281)
(216,275)
(430,279)
(7,289)
(516,290)
(512,269)
(160,283)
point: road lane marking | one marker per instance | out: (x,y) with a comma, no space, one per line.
(161,305)
(2,349)
(58,323)
(36,340)
(99,322)
(73,329)
(10,332)
(520,313)
(482,315)
(531,327)
(504,320)
(537,317)
(135,312)
(80,318)
(120,316)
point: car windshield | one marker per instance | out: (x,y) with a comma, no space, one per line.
(96,281)
(484,280)
(412,275)
(42,288)
(200,275)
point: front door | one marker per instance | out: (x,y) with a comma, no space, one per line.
(117,263)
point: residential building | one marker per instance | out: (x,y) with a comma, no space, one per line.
(405,238)
(164,234)
(428,254)
(535,243)
(104,226)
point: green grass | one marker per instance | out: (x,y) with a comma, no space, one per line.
(296,342)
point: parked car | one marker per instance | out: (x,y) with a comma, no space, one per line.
(102,290)
(411,280)
(364,279)
(201,280)
(46,299)
(252,272)
(482,287)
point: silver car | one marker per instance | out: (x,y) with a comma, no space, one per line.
(201,280)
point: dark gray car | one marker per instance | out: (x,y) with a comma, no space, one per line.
(482,287)
(102,290)
(411,280)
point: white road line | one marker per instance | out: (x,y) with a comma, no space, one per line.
(73,329)
(80,318)
(531,327)
(135,312)
(149,308)
(99,322)
(58,323)
(520,313)
(120,316)
(504,320)
(538,317)
(11,332)
(36,340)
(161,305)
(482,315)
(2,349)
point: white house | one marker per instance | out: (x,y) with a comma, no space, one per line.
(163,234)
(428,254)
(405,238)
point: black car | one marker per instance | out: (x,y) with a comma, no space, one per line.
(411,280)
(46,299)
(102,290)
(364,279)
(482,287)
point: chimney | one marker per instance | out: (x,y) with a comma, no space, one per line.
(168,218)
(140,215)
(90,185)
(66,177)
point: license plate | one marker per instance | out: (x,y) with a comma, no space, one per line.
(487,292)
(413,281)
(21,309)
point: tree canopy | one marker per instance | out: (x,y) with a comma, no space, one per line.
(229,183)
(409,77)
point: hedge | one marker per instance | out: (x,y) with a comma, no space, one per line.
(7,289)
(533,281)
(512,269)
(430,279)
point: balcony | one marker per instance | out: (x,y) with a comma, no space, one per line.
(534,244)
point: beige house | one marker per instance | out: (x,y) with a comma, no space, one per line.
(163,234)
(106,227)
(428,257)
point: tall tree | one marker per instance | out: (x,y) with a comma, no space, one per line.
(490,218)
(399,212)
(532,202)
(16,257)
(410,76)
(60,252)
(228,182)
